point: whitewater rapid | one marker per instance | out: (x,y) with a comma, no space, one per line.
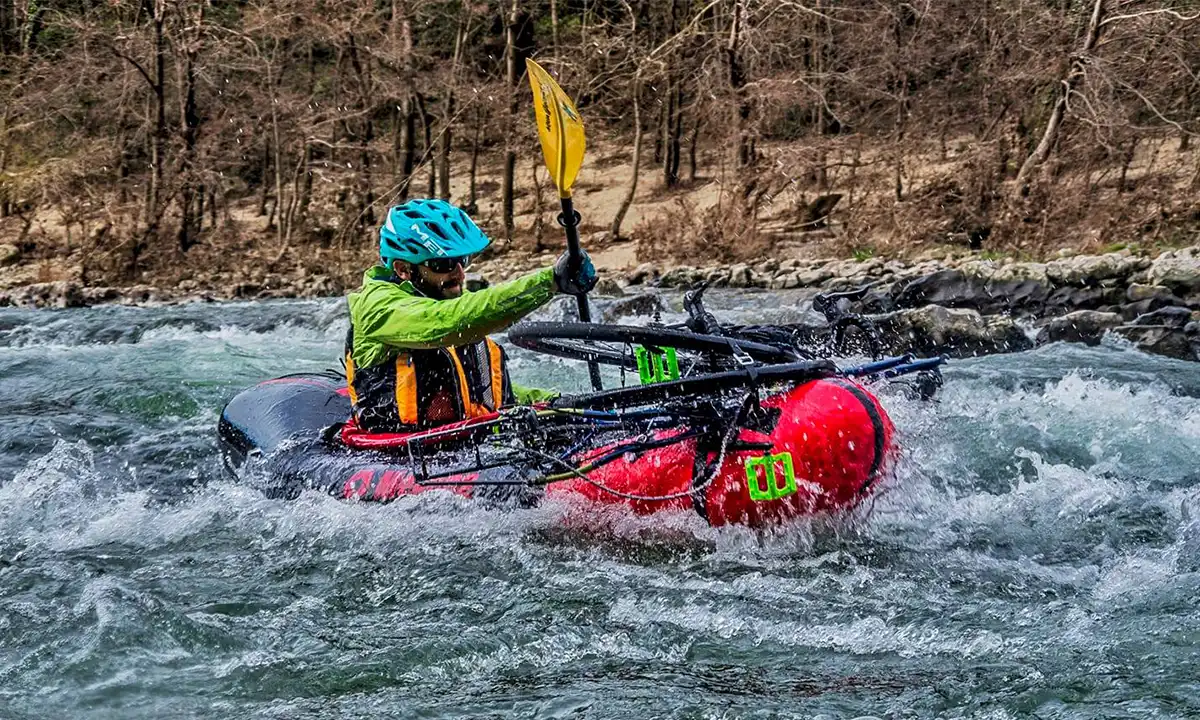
(1036,554)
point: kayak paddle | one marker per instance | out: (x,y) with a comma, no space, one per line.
(561,132)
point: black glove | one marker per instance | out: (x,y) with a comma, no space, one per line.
(574,279)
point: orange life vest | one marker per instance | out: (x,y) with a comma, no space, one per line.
(396,395)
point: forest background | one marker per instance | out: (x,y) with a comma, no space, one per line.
(212,143)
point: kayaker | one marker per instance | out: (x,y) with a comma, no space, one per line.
(417,354)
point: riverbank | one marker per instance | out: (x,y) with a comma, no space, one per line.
(957,302)
(969,305)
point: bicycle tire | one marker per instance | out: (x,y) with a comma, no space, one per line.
(637,395)
(571,340)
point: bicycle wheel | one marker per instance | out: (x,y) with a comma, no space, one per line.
(613,344)
(699,385)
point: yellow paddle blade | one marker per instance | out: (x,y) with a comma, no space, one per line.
(559,127)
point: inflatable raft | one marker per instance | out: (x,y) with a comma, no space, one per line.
(820,443)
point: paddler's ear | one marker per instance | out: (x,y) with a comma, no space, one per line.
(402,270)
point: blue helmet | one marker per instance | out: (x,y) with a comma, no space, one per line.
(421,230)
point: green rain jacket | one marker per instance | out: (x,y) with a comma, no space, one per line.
(387,314)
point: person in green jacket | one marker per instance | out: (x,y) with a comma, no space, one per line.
(418,353)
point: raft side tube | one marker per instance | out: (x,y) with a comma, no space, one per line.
(263,417)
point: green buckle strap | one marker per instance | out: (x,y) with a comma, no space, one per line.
(772,490)
(656,365)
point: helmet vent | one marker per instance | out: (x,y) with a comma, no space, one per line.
(414,215)
(457,228)
(436,230)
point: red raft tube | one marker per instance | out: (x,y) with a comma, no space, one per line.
(829,445)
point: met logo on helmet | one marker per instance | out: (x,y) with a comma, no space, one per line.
(427,241)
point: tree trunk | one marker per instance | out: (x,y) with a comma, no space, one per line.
(427,149)
(676,136)
(1126,162)
(200,194)
(614,230)
(658,136)
(404,148)
(189,120)
(7,22)
(1075,75)
(472,199)
(670,136)
(403,137)
(510,141)
(262,188)
(695,139)
(538,225)
(444,140)
(159,141)
(737,83)
(307,184)
(337,103)
(445,137)
(281,231)
(5,118)
(365,135)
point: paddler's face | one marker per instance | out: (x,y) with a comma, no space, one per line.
(439,285)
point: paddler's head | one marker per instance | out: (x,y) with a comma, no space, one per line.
(437,278)
(430,243)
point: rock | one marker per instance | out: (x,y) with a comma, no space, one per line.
(1021,271)
(58,294)
(1173,316)
(325,286)
(872,267)
(992,271)
(785,281)
(97,295)
(1136,292)
(1178,270)
(1088,270)
(243,290)
(948,288)
(9,254)
(954,288)
(1068,299)
(1085,326)
(813,277)
(682,276)
(1134,310)
(934,329)
(766,267)
(1169,341)
(646,303)
(607,287)
(741,276)
(716,277)
(644,273)
(563,308)
(475,281)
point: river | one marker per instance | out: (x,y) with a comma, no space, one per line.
(1037,554)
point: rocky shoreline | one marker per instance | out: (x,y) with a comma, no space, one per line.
(957,304)
(965,306)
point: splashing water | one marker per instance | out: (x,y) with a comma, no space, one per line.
(1036,554)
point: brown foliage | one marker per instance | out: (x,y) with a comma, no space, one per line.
(682,233)
(176,125)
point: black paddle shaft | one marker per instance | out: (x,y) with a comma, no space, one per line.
(569,219)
